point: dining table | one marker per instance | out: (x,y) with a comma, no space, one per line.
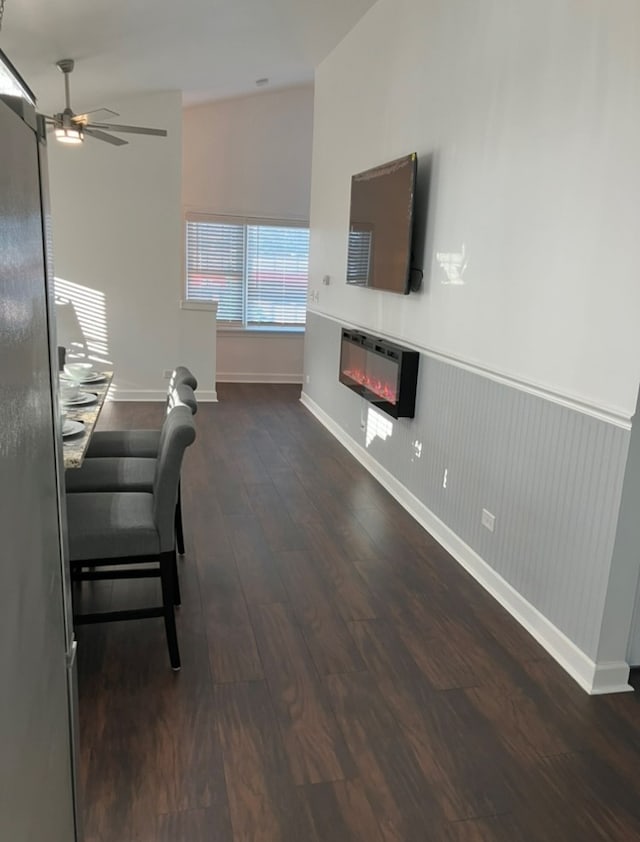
(75,446)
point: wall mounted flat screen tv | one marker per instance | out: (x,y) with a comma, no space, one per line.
(380,226)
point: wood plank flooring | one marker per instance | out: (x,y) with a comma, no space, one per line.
(343,679)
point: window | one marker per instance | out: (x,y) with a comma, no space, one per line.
(257,270)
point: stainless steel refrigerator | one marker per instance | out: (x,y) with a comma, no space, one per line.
(37,672)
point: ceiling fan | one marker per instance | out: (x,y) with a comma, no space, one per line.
(71,128)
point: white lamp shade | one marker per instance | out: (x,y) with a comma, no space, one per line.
(66,135)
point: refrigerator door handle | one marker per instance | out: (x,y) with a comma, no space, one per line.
(71,654)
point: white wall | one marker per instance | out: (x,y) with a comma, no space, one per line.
(252,156)
(118,245)
(527,114)
(254,357)
(524,117)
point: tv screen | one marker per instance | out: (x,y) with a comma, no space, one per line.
(380,226)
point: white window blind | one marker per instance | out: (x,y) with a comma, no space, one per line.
(215,266)
(257,270)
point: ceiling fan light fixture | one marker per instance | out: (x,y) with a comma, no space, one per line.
(72,128)
(68,135)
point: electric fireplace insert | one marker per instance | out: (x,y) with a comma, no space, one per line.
(383,373)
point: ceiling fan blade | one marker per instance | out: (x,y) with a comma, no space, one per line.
(113,127)
(99,114)
(109,138)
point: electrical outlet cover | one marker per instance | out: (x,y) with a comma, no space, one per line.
(488,520)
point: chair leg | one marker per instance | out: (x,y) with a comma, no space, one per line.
(177,600)
(178,522)
(167,561)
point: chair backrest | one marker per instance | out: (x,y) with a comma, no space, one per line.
(181,374)
(182,395)
(178,432)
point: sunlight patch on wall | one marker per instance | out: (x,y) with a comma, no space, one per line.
(377,425)
(417,450)
(82,321)
(454,265)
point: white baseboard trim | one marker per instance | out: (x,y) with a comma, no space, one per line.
(202,395)
(256,377)
(610,677)
(594,678)
(206,396)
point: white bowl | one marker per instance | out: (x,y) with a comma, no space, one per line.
(78,371)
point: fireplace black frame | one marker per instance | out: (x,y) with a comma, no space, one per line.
(404,361)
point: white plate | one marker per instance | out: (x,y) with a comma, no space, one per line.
(94,377)
(72,428)
(82,399)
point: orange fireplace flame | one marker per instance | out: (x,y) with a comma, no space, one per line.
(379,387)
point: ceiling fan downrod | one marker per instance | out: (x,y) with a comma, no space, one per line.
(66,65)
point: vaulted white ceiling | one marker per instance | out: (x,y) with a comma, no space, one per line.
(208,49)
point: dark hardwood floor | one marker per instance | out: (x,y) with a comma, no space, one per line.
(343,678)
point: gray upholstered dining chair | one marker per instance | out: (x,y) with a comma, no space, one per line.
(121,530)
(128,463)
(140,443)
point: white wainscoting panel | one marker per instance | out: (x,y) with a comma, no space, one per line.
(552,477)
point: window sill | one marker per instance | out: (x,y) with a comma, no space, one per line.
(257,331)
